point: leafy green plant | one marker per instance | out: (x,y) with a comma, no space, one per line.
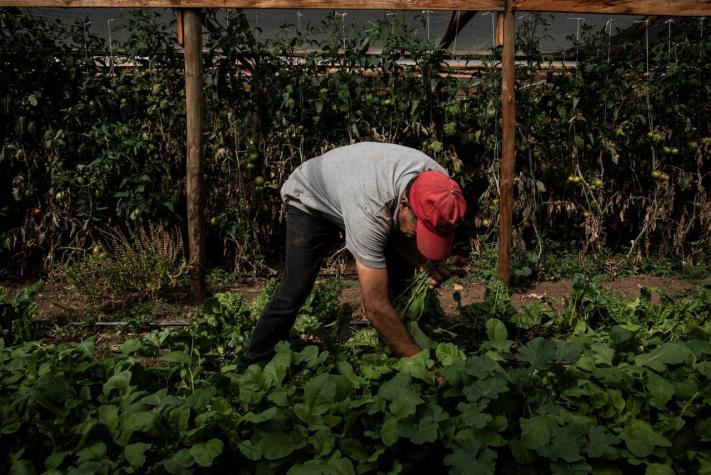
(137,265)
(17,312)
(222,327)
(627,396)
(323,317)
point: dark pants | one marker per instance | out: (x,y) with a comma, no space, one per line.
(308,238)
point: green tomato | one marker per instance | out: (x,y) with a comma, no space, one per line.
(259,181)
(388,102)
(155,90)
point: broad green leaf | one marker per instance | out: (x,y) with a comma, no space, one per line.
(496,330)
(423,428)
(520,453)
(448,354)
(566,443)
(335,465)
(601,443)
(180,357)
(641,439)
(308,355)
(55,459)
(22,467)
(263,416)
(399,392)
(389,433)
(703,429)
(537,431)
(659,388)
(108,415)
(253,385)
(673,352)
(480,366)
(658,469)
(473,415)
(179,418)
(586,363)
(179,463)
(486,388)
(418,366)
(619,334)
(566,352)
(320,394)
(469,457)
(579,468)
(323,440)
(275,443)
(95,451)
(119,381)
(205,453)
(142,421)
(538,353)
(250,450)
(276,369)
(131,346)
(420,430)
(135,454)
(602,353)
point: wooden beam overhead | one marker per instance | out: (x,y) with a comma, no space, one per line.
(483,5)
(619,7)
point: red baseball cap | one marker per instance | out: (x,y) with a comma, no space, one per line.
(439,206)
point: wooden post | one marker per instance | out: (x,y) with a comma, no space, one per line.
(192,37)
(500,28)
(508,148)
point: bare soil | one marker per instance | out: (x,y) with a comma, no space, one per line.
(627,287)
(56,305)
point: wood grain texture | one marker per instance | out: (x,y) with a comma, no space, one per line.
(631,7)
(619,7)
(195,156)
(482,5)
(508,148)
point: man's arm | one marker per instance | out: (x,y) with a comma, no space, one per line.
(374,291)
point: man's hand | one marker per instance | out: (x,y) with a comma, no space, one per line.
(441,272)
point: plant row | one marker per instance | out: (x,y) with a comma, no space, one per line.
(623,387)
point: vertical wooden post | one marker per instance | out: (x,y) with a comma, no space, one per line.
(508,148)
(192,37)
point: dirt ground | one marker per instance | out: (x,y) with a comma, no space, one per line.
(627,287)
(54,305)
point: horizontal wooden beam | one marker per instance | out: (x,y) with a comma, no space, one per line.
(618,7)
(478,5)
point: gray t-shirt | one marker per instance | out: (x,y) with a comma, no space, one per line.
(358,187)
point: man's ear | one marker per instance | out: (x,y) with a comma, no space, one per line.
(404,202)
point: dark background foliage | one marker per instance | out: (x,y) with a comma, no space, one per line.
(608,154)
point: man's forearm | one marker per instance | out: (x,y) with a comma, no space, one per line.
(392,330)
